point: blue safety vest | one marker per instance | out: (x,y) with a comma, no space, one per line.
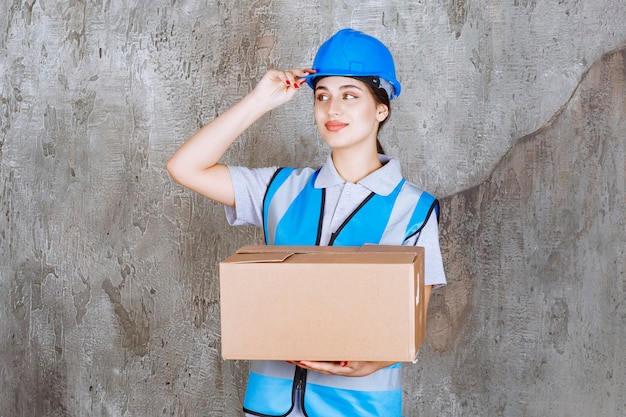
(293,210)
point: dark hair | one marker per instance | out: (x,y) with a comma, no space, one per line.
(380,96)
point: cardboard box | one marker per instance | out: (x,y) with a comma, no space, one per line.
(323,303)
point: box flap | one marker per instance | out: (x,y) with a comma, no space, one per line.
(255,257)
(369,248)
(353,258)
(295,249)
(384,254)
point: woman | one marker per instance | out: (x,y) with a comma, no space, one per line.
(364,199)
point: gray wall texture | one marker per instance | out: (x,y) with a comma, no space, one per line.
(513,112)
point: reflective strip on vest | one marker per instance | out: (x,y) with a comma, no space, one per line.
(410,212)
(325,401)
(285,206)
(292,213)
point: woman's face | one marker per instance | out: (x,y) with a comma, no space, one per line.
(346,113)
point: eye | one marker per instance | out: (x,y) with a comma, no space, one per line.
(322,97)
(349,96)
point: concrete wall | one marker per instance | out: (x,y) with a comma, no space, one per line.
(513,112)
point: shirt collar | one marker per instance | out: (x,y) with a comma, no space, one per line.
(382,181)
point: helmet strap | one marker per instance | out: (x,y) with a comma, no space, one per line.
(378,82)
(386,85)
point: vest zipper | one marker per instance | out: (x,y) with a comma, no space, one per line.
(299,386)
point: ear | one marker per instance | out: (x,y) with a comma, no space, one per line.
(382,112)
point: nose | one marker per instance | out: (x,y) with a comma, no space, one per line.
(334,106)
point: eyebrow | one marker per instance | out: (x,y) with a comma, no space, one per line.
(343,87)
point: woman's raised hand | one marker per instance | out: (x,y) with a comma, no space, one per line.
(277,87)
(196,163)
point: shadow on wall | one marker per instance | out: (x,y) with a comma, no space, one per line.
(534,313)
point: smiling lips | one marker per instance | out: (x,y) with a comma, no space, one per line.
(334,126)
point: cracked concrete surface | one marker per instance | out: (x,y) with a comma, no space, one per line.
(512,113)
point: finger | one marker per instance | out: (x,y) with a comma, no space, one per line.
(285,78)
(307,71)
(292,78)
(324,367)
(301,72)
(279,76)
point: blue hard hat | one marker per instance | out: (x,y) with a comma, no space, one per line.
(350,53)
